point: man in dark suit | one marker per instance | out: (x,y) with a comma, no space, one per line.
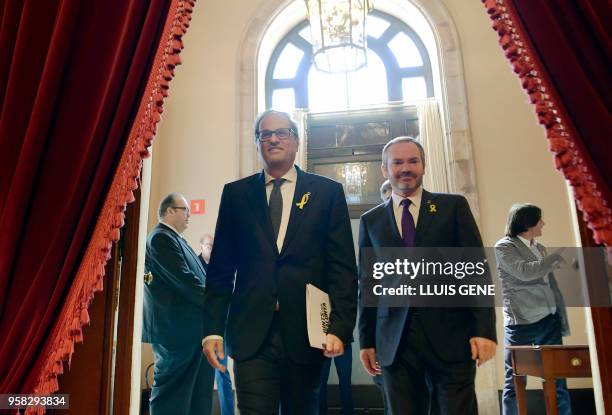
(277,231)
(174,317)
(427,355)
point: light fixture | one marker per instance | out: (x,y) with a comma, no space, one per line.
(355,177)
(338,34)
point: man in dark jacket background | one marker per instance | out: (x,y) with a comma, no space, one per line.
(173,316)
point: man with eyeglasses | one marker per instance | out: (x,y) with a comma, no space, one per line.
(277,231)
(174,316)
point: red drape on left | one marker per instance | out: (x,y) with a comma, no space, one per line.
(81,88)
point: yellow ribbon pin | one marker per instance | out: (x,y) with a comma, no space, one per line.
(432,208)
(148,278)
(303,201)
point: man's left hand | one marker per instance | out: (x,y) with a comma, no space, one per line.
(333,346)
(482,349)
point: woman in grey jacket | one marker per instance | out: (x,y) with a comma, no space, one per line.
(534,310)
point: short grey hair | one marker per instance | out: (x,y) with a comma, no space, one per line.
(203,238)
(384,188)
(402,139)
(166,203)
(292,124)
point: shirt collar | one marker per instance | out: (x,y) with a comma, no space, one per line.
(415,198)
(290,176)
(527,242)
(172,228)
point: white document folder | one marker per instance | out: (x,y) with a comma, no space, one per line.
(318,312)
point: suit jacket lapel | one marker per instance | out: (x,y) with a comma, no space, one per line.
(258,201)
(426,213)
(297,213)
(194,257)
(187,251)
(390,216)
(525,250)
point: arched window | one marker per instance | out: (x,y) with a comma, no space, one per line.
(398,70)
(347,118)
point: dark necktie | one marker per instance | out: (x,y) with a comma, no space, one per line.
(276,206)
(408,228)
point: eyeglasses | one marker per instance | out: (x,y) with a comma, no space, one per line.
(186,209)
(281,133)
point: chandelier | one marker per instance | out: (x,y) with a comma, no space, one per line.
(338,34)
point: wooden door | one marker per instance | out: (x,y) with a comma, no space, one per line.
(99,378)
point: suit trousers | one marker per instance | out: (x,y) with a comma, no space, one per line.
(270,381)
(344,368)
(379,384)
(418,382)
(182,381)
(544,331)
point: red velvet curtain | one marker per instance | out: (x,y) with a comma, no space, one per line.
(81,88)
(562,51)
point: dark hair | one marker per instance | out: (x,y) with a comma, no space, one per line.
(403,139)
(521,217)
(260,117)
(167,202)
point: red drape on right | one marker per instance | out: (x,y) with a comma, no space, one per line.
(562,51)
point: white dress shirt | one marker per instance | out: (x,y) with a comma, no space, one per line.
(532,246)
(414,207)
(171,227)
(287,191)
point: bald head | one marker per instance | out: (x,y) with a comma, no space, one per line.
(206,245)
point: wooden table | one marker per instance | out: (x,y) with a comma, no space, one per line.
(548,363)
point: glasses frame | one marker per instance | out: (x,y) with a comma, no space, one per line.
(183,208)
(275,132)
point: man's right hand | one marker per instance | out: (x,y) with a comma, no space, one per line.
(213,350)
(368,359)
